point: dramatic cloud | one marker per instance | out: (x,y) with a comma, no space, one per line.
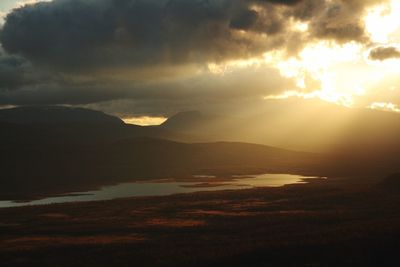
(127,32)
(284,2)
(157,57)
(384,53)
(106,32)
(336,20)
(15,72)
(204,91)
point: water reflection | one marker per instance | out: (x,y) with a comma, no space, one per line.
(152,188)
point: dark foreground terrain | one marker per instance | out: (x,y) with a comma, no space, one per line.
(334,222)
(350,219)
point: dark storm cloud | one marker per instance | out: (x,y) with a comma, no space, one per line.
(244,20)
(264,21)
(283,2)
(110,32)
(79,33)
(204,91)
(15,71)
(58,52)
(384,53)
(336,20)
(235,84)
(11,71)
(57,93)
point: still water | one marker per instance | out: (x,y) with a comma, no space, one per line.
(153,188)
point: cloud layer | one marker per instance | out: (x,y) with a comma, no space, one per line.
(87,32)
(384,53)
(152,51)
(108,32)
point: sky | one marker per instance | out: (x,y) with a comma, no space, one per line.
(144,60)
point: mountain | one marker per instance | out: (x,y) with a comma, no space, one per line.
(202,127)
(36,126)
(56,115)
(185,120)
(300,125)
(61,149)
(189,121)
(48,150)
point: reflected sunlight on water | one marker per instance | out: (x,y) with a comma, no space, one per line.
(152,188)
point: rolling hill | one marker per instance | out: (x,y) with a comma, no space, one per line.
(58,153)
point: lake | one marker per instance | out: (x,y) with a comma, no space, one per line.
(159,188)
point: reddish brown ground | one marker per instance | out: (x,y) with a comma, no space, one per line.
(325,223)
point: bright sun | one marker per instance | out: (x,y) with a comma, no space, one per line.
(339,73)
(343,74)
(383,23)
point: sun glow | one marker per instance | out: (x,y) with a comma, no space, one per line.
(226,67)
(385,106)
(344,73)
(383,23)
(315,71)
(144,120)
(300,26)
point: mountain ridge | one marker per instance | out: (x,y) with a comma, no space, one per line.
(56,115)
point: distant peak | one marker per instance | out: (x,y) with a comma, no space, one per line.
(55,115)
(185,117)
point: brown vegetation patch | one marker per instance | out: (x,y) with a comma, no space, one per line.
(250,204)
(30,242)
(175,222)
(221,213)
(56,215)
(294,212)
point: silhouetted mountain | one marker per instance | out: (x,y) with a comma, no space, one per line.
(201,127)
(40,157)
(187,120)
(301,125)
(56,115)
(318,127)
(34,126)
